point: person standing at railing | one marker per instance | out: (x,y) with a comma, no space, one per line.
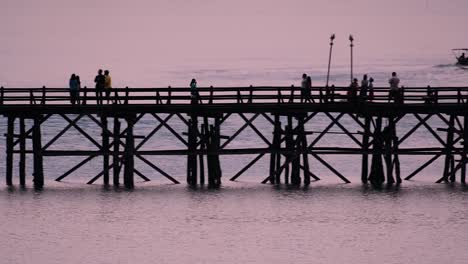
(353,91)
(74,85)
(394,92)
(370,97)
(100,83)
(107,85)
(364,89)
(308,90)
(193,91)
(303,86)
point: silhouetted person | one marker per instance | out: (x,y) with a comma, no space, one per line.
(394,87)
(303,86)
(308,90)
(370,96)
(107,84)
(364,88)
(100,81)
(462,59)
(353,91)
(74,84)
(193,91)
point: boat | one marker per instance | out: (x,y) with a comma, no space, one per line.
(461,55)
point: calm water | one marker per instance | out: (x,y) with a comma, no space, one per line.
(243,222)
(225,43)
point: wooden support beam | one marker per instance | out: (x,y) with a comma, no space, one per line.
(22,146)
(413,129)
(81,131)
(79,165)
(192,158)
(422,167)
(324,132)
(37,149)
(60,134)
(376,176)
(250,120)
(203,146)
(164,123)
(156,168)
(129,154)
(9,150)
(105,149)
(337,173)
(29,131)
(115,153)
(465,149)
(255,129)
(275,147)
(303,150)
(250,164)
(365,148)
(310,173)
(153,132)
(431,130)
(350,135)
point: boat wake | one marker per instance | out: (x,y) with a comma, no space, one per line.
(445,65)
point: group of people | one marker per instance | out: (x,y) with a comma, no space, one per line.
(103,84)
(306,87)
(355,93)
(75,85)
(365,92)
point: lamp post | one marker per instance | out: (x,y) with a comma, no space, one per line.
(329,57)
(351,45)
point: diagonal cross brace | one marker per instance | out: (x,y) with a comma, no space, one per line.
(52,141)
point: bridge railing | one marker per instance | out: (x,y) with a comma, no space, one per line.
(233,95)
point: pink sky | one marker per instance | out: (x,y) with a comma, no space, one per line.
(57,33)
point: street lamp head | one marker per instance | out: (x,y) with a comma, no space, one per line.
(351,38)
(332,37)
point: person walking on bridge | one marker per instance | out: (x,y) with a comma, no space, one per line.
(100,83)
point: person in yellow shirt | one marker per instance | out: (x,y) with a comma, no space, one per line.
(107,84)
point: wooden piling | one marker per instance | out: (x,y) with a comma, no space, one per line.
(37,151)
(395,149)
(22,146)
(448,173)
(115,154)
(129,153)
(303,149)
(9,150)
(105,149)
(217,147)
(365,148)
(465,150)
(192,147)
(203,136)
(388,134)
(274,155)
(376,176)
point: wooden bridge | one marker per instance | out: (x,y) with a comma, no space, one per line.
(287,110)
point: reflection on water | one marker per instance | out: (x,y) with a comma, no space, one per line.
(239,223)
